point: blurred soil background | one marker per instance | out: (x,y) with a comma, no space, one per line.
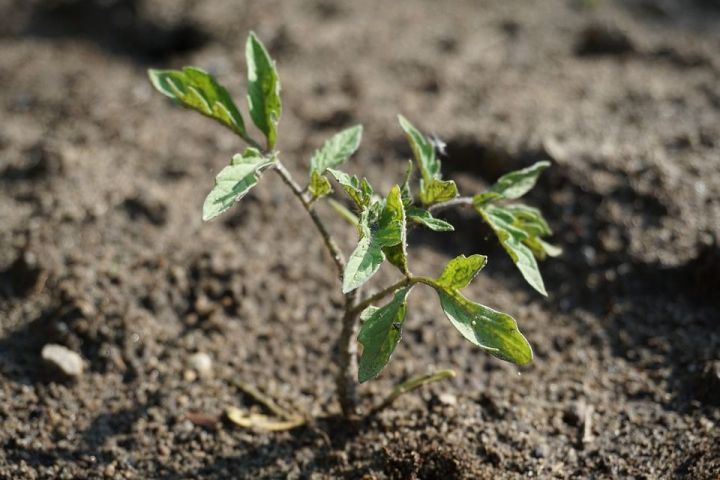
(102,247)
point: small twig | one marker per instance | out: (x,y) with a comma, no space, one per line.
(264,400)
(410,385)
(455,202)
(587,436)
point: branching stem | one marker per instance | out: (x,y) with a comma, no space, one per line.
(455,202)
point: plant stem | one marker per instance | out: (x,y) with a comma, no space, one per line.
(346,383)
(382,294)
(455,202)
(346,380)
(332,247)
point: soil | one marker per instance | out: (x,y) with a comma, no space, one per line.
(102,247)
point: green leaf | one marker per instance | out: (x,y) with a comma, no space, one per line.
(423,150)
(396,254)
(387,231)
(234,182)
(436,191)
(513,239)
(319,185)
(490,330)
(423,217)
(460,271)
(405,190)
(263,89)
(358,190)
(337,149)
(198,90)
(529,219)
(432,188)
(493,331)
(380,333)
(514,184)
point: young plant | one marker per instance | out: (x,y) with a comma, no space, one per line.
(382,222)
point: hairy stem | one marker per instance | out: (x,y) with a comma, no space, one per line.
(346,380)
(455,202)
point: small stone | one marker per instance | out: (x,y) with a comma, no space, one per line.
(201,363)
(63,360)
(447,399)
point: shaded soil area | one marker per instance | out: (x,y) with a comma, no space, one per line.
(102,247)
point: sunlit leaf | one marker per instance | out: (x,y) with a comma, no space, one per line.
(263,89)
(358,190)
(337,149)
(234,182)
(493,331)
(432,188)
(423,217)
(379,230)
(513,185)
(512,237)
(396,254)
(198,90)
(380,333)
(319,186)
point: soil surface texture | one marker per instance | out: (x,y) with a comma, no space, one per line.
(103,250)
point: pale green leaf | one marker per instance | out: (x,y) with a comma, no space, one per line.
(319,186)
(198,90)
(387,230)
(460,271)
(358,190)
(423,150)
(337,149)
(362,264)
(490,330)
(436,191)
(380,333)
(513,239)
(423,217)
(396,254)
(234,182)
(405,189)
(263,89)
(514,184)
(493,331)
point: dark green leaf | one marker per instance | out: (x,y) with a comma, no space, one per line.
(263,89)
(193,88)
(337,149)
(423,217)
(234,182)
(380,333)
(405,188)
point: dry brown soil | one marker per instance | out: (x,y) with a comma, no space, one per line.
(102,247)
